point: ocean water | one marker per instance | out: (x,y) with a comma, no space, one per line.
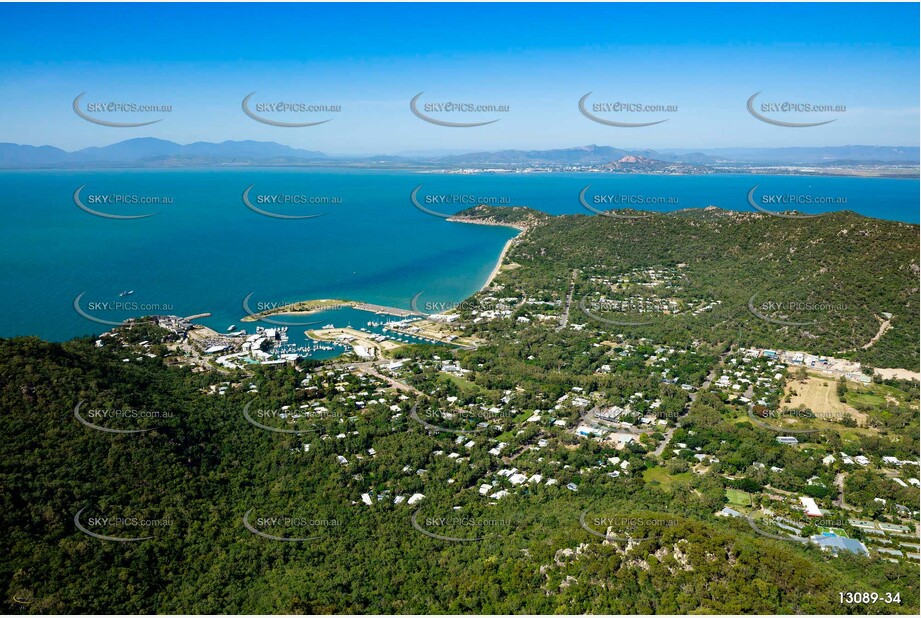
(206,251)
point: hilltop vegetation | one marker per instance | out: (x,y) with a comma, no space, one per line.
(823,284)
(203,467)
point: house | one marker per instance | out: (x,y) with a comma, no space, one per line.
(517,479)
(728,512)
(790,440)
(809,504)
(829,460)
(572,487)
(620,440)
(834,544)
(415,498)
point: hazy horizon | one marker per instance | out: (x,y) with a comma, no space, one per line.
(462,151)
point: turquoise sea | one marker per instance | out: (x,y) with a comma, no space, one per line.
(206,251)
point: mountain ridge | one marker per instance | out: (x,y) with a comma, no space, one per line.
(155,152)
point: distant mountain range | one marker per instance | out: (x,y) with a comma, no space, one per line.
(152,152)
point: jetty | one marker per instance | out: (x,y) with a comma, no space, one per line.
(394,311)
(197,316)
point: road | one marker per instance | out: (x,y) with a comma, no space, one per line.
(691,399)
(369,369)
(564,319)
(839,500)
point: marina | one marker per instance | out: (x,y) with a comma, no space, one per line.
(269,344)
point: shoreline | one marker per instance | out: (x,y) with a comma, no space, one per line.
(499,263)
(317,305)
(522,229)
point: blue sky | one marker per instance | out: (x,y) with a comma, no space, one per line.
(538,59)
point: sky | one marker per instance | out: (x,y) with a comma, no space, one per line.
(536,59)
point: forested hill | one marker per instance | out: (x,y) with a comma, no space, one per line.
(202,467)
(828,284)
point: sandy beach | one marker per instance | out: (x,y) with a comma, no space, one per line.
(499,263)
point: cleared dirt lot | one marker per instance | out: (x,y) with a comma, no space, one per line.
(899,374)
(820,395)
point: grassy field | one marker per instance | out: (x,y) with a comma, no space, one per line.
(837,531)
(739,497)
(662,476)
(466,386)
(865,399)
(875,395)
